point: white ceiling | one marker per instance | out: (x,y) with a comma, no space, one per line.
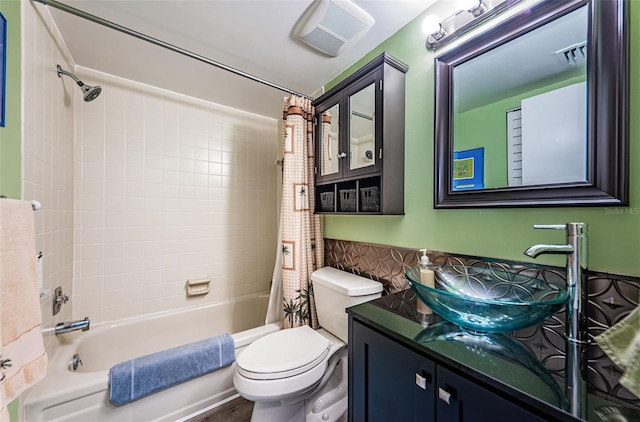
(253,36)
(522,64)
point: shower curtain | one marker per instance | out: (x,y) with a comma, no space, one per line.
(301,248)
(275,312)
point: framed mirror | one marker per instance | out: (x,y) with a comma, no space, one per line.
(534,111)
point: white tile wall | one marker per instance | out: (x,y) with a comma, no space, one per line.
(156,189)
(169,188)
(48,152)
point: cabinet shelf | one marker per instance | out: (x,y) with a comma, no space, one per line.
(359,195)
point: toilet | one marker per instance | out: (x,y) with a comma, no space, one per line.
(300,374)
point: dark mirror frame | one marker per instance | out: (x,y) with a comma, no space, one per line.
(607,119)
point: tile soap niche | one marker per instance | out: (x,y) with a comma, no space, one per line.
(198,287)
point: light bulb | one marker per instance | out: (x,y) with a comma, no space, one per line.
(431,25)
(470,5)
(475,7)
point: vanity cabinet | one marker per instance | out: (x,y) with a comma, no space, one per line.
(359,129)
(388,381)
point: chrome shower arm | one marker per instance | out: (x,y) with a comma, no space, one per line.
(89,92)
(71,75)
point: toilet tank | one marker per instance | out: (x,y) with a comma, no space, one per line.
(336,290)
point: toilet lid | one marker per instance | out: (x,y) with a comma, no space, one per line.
(283,354)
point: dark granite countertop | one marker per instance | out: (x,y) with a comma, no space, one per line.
(497,361)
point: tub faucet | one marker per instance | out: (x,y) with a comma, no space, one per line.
(577,330)
(67,327)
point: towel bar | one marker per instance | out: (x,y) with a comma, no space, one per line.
(36,205)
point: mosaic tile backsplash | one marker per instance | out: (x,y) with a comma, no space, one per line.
(611,298)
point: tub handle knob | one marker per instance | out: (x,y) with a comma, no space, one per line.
(59,299)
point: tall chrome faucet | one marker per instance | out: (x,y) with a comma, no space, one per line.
(577,332)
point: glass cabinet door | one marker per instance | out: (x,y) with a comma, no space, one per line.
(330,154)
(362,128)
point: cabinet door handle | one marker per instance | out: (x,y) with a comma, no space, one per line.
(342,155)
(444,395)
(421,381)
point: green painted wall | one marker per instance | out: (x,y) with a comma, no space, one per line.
(486,126)
(614,233)
(11,134)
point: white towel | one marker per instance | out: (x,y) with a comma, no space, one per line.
(20,315)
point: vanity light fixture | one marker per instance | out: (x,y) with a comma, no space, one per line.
(472,13)
(475,7)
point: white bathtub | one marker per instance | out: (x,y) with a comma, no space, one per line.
(83,395)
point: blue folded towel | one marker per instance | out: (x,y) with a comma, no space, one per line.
(148,374)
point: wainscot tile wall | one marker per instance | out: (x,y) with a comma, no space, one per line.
(141,189)
(611,298)
(47,153)
(169,188)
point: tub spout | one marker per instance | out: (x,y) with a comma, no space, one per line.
(67,327)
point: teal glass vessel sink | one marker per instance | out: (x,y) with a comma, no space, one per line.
(487,299)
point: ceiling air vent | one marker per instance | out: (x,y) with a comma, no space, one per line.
(330,26)
(573,55)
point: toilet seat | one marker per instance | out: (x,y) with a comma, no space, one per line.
(283,354)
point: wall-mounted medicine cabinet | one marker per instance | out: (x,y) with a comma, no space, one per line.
(360,141)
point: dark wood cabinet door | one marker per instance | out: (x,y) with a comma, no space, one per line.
(459,399)
(388,382)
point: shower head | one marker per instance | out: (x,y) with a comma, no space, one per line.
(89,92)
